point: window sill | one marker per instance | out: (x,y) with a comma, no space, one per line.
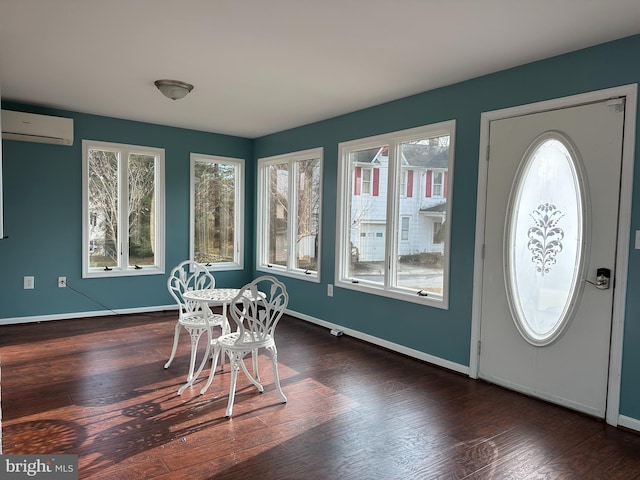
(221,267)
(116,272)
(433,300)
(299,274)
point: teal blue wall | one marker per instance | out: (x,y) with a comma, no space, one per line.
(446,333)
(43,217)
(42,196)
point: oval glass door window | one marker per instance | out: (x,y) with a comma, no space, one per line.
(545,230)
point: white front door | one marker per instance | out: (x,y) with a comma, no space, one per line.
(551,222)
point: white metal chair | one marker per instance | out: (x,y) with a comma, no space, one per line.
(256,310)
(190,275)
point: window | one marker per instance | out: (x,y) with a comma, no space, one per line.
(437,183)
(545,229)
(395,243)
(289,212)
(404,232)
(366,181)
(123,210)
(437,232)
(217,211)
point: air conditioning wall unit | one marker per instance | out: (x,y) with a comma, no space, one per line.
(31,127)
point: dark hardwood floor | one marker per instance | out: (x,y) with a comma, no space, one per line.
(97,388)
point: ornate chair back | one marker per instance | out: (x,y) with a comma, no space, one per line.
(257,309)
(188,275)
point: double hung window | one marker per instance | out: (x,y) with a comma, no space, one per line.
(404,228)
(289,213)
(395,241)
(123,210)
(217,211)
(437,183)
(366,181)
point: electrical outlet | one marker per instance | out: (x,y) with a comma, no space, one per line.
(29,283)
(62,282)
(329,290)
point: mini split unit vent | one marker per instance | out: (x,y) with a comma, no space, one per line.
(29,127)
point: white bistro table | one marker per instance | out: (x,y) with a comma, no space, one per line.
(210,297)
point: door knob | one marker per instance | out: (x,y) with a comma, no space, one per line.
(603,278)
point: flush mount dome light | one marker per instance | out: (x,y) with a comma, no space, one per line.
(173,89)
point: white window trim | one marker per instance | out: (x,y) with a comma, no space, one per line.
(238,263)
(343,212)
(125,149)
(262,213)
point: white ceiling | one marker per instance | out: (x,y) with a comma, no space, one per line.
(262,66)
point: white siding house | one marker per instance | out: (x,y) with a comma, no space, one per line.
(422,197)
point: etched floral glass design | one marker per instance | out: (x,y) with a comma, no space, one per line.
(543,251)
(545,237)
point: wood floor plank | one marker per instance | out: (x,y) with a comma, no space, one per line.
(96,387)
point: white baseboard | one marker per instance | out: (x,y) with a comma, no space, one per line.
(384,343)
(628,422)
(97,313)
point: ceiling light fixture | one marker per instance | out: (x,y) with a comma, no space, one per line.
(173,89)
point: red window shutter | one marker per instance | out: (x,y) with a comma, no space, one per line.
(410,183)
(376,182)
(429,181)
(357,181)
(444,185)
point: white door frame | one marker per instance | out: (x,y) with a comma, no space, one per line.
(624,226)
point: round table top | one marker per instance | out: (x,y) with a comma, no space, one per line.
(221,295)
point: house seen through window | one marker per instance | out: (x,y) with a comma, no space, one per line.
(394,241)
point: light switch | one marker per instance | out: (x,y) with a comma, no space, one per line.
(29,283)
(637,239)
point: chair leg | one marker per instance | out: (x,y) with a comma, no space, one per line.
(221,362)
(235,366)
(176,335)
(254,359)
(222,356)
(251,377)
(195,333)
(276,376)
(212,372)
(195,336)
